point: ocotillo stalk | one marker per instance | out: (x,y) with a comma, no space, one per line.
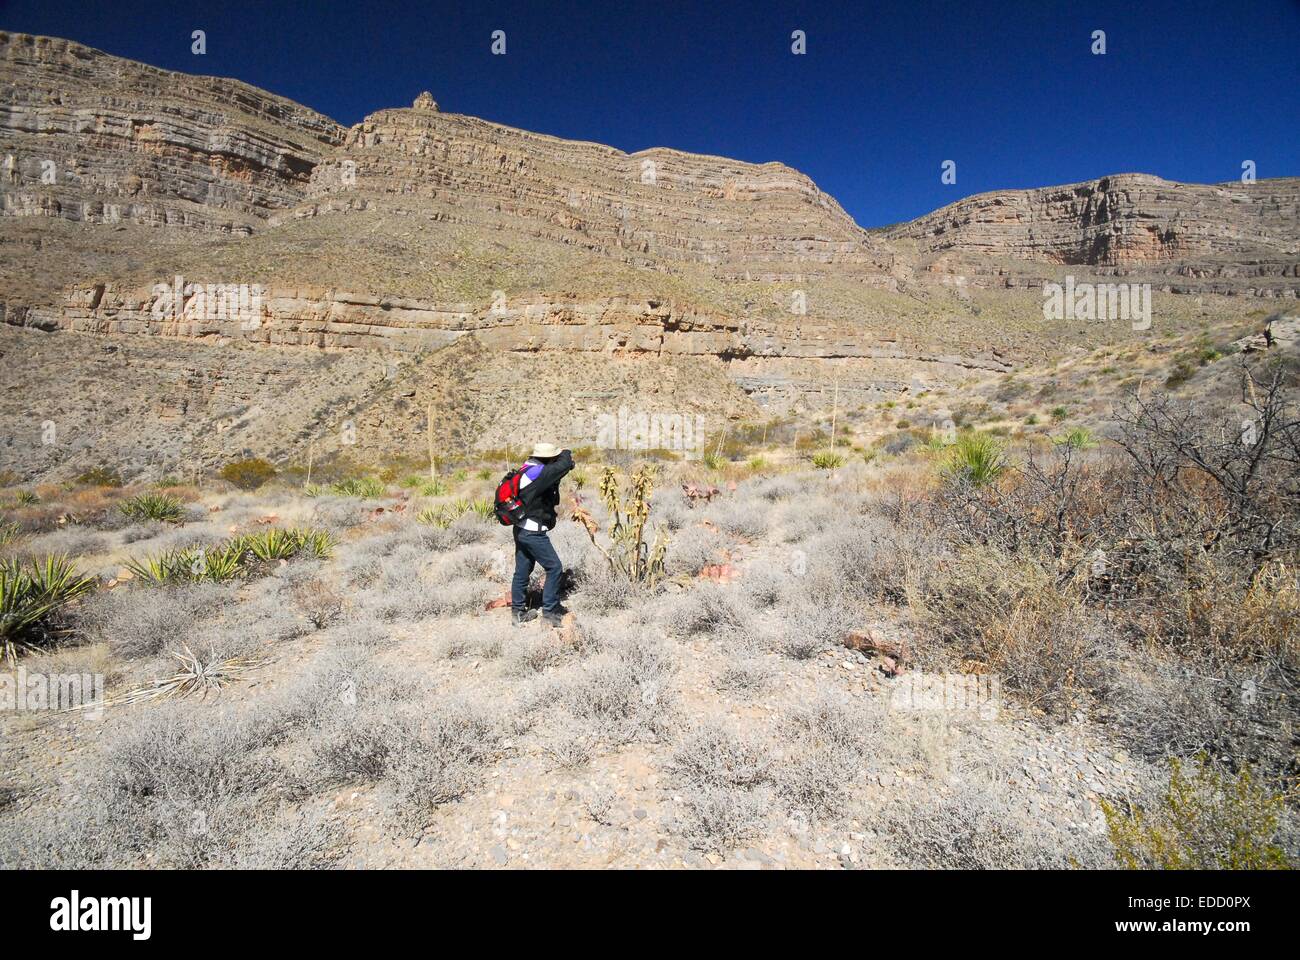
(433,464)
(835,409)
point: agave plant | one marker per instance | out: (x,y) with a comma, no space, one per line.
(163,507)
(31,596)
(628,552)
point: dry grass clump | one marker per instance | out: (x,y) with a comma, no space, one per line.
(1006,615)
(971,826)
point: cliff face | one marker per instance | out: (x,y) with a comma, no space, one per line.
(96,139)
(419,230)
(1126,224)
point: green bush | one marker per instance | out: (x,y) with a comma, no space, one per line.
(162,507)
(32,596)
(1205,820)
(248,474)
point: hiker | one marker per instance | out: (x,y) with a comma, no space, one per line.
(530,508)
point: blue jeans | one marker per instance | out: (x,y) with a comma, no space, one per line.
(533,547)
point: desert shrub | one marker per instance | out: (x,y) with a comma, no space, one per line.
(184,783)
(318,602)
(158,507)
(533,655)
(709,609)
(1205,819)
(99,477)
(33,599)
(135,624)
(623,694)
(740,517)
(816,781)
(443,757)
(725,784)
(972,827)
(247,474)
(718,817)
(1010,616)
(713,754)
(746,677)
(694,548)
(337,512)
(899,443)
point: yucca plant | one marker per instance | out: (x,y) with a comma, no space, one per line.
(32,595)
(26,498)
(827,459)
(312,490)
(367,488)
(482,508)
(9,532)
(163,507)
(1077,438)
(975,458)
(628,552)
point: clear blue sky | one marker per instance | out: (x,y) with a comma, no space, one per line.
(885,93)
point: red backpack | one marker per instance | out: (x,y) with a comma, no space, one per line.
(509,507)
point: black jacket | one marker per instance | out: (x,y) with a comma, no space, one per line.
(542,496)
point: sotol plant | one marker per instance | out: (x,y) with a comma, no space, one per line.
(628,552)
(976,458)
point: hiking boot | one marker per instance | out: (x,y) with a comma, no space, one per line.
(518,617)
(555,617)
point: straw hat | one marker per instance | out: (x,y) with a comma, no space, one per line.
(545,450)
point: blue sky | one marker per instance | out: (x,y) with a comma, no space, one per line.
(884,95)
